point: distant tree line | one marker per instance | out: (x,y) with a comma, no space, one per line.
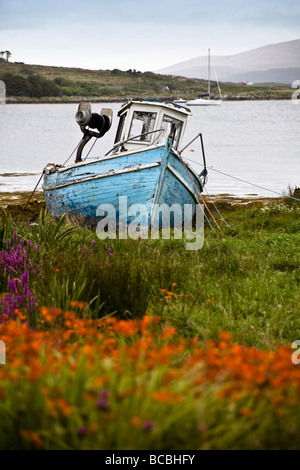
(35,86)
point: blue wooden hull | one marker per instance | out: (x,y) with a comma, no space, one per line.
(152,176)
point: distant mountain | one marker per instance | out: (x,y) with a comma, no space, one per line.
(273,63)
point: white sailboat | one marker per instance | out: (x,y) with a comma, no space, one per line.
(206,101)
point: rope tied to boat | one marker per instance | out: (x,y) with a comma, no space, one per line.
(200,195)
(24,207)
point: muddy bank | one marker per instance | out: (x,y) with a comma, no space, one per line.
(19,206)
(229,202)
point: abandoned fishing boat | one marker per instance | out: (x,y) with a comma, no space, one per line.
(144,164)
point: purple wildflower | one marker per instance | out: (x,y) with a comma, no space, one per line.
(16,265)
(82,430)
(102,403)
(104,393)
(148,425)
(202,428)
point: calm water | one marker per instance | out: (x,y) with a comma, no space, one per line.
(255,141)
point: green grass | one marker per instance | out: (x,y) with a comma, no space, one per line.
(221,379)
(251,273)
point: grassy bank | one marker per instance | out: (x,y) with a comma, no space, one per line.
(36,83)
(124,344)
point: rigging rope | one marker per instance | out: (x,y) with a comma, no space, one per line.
(200,194)
(72,152)
(212,201)
(91,148)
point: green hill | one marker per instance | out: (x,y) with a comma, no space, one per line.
(37,83)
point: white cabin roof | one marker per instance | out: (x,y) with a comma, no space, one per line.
(144,123)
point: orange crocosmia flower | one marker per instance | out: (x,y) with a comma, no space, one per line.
(44,310)
(163,290)
(237,349)
(225,336)
(66,334)
(246,412)
(162,396)
(49,314)
(20,314)
(100,381)
(64,407)
(174,284)
(94,427)
(126,327)
(88,349)
(168,332)
(31,436)
(57,270)
(136,421)
(78,303)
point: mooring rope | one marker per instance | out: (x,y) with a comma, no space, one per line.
(245,181)
(200,194)
(211,200)
(24,207)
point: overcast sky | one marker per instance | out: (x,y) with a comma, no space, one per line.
(139,34)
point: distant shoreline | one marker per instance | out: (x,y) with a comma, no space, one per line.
(121,100)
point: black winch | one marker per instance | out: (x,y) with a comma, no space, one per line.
(88,120)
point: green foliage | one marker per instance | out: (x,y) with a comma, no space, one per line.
(33,86)
(36,82)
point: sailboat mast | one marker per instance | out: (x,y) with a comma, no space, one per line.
(208,73)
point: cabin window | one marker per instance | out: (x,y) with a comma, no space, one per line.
(166,125)
(120,127)
(142,122)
